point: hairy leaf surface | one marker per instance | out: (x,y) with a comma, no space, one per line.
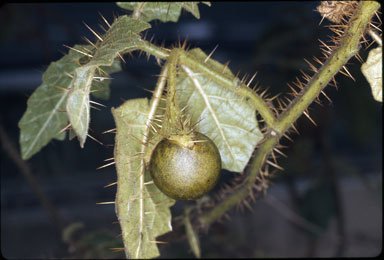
(45,115)
(78,102)
(221,114)
(122,36)
(100,85)
(142,209)
(163,11)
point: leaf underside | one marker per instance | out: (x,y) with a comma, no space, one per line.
(142,209)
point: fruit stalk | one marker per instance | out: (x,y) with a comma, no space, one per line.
(172,122)
(220,78)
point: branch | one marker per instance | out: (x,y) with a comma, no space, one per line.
(223,80)
(348,48)
(173,119)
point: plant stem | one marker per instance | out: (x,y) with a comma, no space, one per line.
(243,192)
(153,105)
(348,47)
(173,115)
(154,50)
(122,184)
(225,81)
(157,95)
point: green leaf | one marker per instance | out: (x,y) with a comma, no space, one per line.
(45,116)
(122,36)
(71,134)
(222,115)
(193,8)
(100,86)
(78,102)
(373,72)
(142,209)
(163,11)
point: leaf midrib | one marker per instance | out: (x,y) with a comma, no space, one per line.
(208,106)
(37,137)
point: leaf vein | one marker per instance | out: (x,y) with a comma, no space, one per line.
(209,107)
(42,129)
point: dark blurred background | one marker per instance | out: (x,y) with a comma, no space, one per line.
(327,201)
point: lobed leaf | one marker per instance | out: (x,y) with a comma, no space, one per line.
(163,11)
(122,36)
(143,210)
(45,115)
(221,114)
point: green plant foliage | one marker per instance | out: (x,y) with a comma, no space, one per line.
(44,117)
(100,88)
(122,36)
(78,109)
(163,11)
(373,72)
(142,209)
(216,102)
(222,115)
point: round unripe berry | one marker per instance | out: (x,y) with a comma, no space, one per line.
(185,167)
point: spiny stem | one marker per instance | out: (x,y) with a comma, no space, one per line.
(154,50)
(223,80)
(226,204)
(157,96)
(173,119)
(348,48)
(153,106)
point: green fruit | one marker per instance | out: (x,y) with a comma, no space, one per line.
(185,167)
